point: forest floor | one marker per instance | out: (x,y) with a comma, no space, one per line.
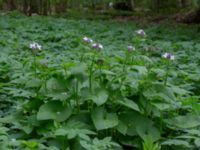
(64,92)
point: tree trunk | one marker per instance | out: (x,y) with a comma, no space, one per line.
(157,5)
(132,2)
(33,7)
(45,6)
(182,3)
(25,7)
(10,5)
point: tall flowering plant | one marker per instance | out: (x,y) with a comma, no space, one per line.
(168,57)
(35,47)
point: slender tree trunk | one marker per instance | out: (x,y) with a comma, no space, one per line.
(45,7)
(10,5)
(132,2)
(183,3)
(157,5)
(25,6)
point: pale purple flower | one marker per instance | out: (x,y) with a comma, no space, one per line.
(87,40)
(97,46)
(168,56)
(131,48)
(35,46)
(140,33)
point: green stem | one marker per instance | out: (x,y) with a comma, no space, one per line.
(166,75)
(82,56)
(127,59)
(124,65)
(161,122)
(90,75)
(100,69)
(76,95)
(35,66)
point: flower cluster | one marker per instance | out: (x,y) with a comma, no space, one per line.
(96,46)
(130,48)
(140,33)
(87,40)
(35,46)
(168,56)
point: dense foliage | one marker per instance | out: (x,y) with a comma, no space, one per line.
(69,94)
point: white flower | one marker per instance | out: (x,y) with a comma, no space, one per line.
(87,40)
(130,48)
(140,32)
(111,4)
(13,140)
(168,56)
(97,46)
(35,46)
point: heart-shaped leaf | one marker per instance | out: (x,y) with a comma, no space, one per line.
(104,120)
(100,97)
(54,110)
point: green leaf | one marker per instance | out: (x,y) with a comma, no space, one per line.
(33,83)
(96,144)
(74,128)
(54,110)
(159,92)
(129,104)
(139,125)
(187,121)
(177,143)
(197,142)
(142,70)
(100,97)
(104,120)
(122,127)
(73,132)
(79,70)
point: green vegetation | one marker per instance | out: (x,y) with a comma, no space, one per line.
(72,95)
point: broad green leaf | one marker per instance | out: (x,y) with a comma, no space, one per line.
(142,70)
(130,104)
(104,120)
(122,127)
(33,83)
(139,125)
(176,142)
(73,132)
(100,97)
(197,142)
(187,121)
(161,106)
(54,110)
(79,70)
(159,92)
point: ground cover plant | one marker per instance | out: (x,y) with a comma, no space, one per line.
(98,85)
